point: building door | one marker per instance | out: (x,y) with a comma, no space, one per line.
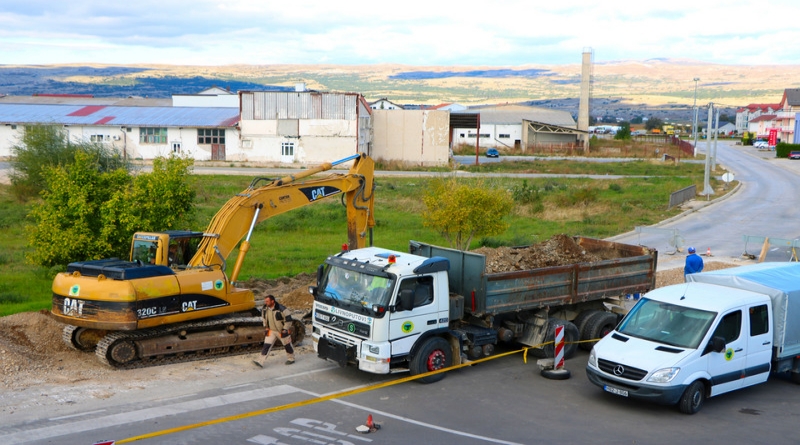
(287,152)
(217,152)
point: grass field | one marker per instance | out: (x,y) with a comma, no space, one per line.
(299,241)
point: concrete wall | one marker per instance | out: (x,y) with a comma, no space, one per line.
(317,140)
(416,136)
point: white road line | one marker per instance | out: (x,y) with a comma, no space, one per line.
(417,422)
(77,415)
(143,414)
(291,376)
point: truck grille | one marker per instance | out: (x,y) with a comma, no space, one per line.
(620,370)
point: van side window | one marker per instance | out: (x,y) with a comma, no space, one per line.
(730,327)
(422,287)
(759,320)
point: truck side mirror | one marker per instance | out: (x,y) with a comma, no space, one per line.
(717,343)
(405,300)
(320,271)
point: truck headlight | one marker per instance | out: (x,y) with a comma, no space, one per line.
(374,349)
(593,359)
(664,375)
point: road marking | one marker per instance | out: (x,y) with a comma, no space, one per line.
(143,414)
(77,415)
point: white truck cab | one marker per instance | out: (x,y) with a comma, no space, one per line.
(721,331)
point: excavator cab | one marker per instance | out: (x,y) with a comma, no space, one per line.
(173,248)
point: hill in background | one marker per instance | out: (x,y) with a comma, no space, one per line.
(654,87)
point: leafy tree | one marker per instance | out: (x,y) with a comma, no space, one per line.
(624,132)
(461,212)
(653,123)
(44,146)
(87,213)
(636,120)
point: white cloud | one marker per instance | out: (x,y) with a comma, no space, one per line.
(414,32)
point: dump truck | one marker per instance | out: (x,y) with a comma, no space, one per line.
(721,331)
(434,307)
(173,298)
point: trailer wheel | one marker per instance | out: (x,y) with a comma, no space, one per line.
(581,322)
(434,354)
(693,398)
(571,338)
(598,326)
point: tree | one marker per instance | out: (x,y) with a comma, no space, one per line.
(624,132)
(653,123)
(461,212)
(636,120)
(44,146)
(87,213)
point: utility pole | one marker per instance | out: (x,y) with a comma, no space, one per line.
(716,136)
(694,108)
(707,190)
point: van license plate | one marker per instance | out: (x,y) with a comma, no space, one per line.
(619,392)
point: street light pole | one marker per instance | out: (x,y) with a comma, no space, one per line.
(694,107)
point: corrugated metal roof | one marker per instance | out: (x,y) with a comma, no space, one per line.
(514,114)
(132,101)
(271,105)
(118,116)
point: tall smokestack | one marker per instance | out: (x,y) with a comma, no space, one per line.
(586,91)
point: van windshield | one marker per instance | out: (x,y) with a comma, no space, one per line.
(667,323)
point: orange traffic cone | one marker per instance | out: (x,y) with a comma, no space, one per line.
(708,252)
(370,423)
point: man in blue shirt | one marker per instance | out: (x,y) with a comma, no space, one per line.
(694,263)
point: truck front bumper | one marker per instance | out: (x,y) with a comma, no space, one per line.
(663,395)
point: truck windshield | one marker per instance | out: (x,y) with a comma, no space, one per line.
(667,323)
(356,288)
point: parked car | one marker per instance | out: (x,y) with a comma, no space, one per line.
(492,153)
(794,155)
(760,144)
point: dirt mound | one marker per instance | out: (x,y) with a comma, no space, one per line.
(560,250)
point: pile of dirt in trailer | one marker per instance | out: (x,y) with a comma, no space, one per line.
(32,352)
(560,250)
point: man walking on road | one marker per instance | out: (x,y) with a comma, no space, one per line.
(276,321)
(694,263)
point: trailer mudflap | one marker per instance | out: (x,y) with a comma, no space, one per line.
(337,352)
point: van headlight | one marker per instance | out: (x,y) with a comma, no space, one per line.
(593,359)
(664,375)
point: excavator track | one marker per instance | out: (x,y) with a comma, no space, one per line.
(185,342)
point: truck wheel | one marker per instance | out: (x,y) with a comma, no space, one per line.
(598,326)
(434,354)
(693,398)
(571,338)
(581,322)
(298,332)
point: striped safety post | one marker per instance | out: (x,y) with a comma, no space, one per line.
(558,362)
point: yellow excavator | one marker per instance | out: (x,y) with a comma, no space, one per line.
(172,300)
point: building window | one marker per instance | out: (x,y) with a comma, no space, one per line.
(504,136)
(176,147)
(152,135)
(483,135)
(210,136)
(461,135)
(287,148)
(99,138)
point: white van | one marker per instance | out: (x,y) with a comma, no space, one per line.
(722,331)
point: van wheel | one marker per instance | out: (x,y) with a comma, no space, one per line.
(693,398)
(434,354)
(571,338)
(598,326)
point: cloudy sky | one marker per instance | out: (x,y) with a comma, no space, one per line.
(412,32)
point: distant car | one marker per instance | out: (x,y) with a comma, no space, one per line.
(760,144)
(794,155)
(492,153)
